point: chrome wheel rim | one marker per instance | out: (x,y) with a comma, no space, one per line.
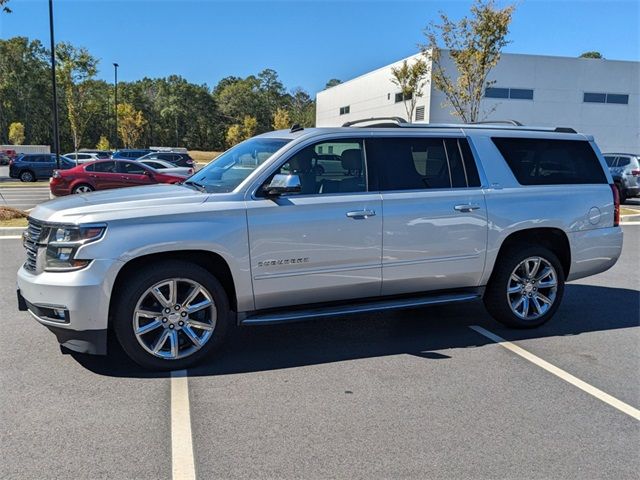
(532,288)
(83,189)
(174,318)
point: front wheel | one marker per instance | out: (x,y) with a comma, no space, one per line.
(171,315)
(526,287)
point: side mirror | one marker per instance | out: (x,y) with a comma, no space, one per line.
(282,184)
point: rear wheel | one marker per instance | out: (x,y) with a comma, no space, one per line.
(526,287)
(83,188)
(27,176)
(171,315)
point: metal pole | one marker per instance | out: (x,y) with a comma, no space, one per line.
(115,109)
(56,135)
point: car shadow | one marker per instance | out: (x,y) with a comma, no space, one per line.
(427,333)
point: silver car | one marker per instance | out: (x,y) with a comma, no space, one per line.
(625,171)
(167,167)
(319,222)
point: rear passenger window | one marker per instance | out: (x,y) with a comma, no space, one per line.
(104,167)
(422,163)
(623,162)
(551,162)
(610,161)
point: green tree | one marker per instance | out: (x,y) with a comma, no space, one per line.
(3,4)
(131,124)
(302,107)
(16,133)
(240,132)
(103,143)
(411,78)
(332,83)
(591,54)
(474,45)
(281,119)
(76,69)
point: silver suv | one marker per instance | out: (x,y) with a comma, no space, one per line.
(625,171)
(319,222)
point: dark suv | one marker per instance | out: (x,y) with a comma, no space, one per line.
(625,170)
(178,159)
(30,167)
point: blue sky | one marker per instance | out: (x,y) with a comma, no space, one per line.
(306,42)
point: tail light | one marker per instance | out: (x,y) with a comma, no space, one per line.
(11,162)
(635,173)
(616,205)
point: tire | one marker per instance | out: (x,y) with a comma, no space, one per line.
(27,176)
(167,323)
(82,188)
(508,308)
(622,194)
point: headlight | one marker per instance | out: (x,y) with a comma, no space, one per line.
(64,243)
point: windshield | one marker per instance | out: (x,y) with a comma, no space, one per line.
(231,168)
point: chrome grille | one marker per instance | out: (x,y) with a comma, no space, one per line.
(31,240)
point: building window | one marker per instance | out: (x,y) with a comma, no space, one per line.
(591,97)
(420,113)
(512,93)
(401,98)
(344,110)
(388,96)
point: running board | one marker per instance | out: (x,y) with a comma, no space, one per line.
(284,316)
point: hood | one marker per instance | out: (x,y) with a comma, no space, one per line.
(119,203)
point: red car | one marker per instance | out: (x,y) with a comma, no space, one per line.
(106,174)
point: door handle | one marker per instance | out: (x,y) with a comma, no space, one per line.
(360,214)
(469,207)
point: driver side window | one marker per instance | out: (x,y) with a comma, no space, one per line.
(331,167)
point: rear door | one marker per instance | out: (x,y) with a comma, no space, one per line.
(435,218)
(323,244)
(133,174)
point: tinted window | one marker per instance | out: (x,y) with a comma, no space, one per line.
(623,161)
(419,163)
(340,172)
(170,157)
(132,168)
(616,98)
(595,97)
(103,167)
(473,178)
(610,161)
(496,93)
(550,162)
(521,93)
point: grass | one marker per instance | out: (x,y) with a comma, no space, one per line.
(201,156)
(12,217)
(629,211)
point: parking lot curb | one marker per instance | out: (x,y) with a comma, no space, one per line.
(11,231)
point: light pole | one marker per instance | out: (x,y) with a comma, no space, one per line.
(115,109)
(56,136)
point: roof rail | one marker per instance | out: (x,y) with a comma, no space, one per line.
(395,121)
(513,123)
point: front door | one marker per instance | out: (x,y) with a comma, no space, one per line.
(323,244)
(133,174)
(435,218)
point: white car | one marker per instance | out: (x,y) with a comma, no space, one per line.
(83,157)
(167,167)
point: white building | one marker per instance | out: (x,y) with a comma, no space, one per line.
(593,96)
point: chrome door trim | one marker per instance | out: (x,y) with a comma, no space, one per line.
(309,271)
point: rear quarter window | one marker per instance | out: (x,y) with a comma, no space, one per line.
(541,161)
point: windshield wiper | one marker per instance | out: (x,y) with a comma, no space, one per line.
(197,185)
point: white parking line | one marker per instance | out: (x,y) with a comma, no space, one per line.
(558,372)
(182,462)
(10,237)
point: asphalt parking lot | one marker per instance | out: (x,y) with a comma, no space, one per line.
(412,394)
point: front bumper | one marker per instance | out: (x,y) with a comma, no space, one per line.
(73,305)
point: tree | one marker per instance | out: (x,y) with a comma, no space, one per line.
(591,54)
(103,143)
(303,108)
(3,4)
(131,124)
(474,46)
(332,83)
(281,119)
(240,132)
(76,69)
(411,78)
(16,133)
